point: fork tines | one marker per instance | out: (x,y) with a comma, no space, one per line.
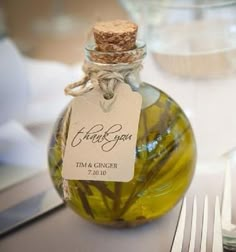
(217,245)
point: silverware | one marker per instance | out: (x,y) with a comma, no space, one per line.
(217,245)
(228,228)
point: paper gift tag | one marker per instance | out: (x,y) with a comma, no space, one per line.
(102,136)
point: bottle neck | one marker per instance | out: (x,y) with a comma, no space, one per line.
(126,63)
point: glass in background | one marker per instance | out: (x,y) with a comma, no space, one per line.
(184,34)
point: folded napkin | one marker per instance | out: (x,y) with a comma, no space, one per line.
(47,82)
(14,84)
(19,147)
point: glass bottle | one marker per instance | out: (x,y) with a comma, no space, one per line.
(165,155)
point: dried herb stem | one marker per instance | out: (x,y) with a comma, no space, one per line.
(101,186)
(140,187)
(117,199)
(85,187)
(105,201)
(164,156)
(85,203)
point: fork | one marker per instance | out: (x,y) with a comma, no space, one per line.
(217,245)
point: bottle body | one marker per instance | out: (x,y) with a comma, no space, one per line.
(164,167)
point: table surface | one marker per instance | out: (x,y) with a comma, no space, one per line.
(62,230)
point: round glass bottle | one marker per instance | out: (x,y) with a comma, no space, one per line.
(165,155)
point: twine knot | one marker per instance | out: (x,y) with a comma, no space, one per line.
(106,77)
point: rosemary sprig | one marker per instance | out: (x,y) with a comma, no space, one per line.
(117,199)
(85,187)
(85,203)
(155,168)
(140,187)
(105,201)
(149,158)
(102,187)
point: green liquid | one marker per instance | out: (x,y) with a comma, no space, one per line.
(164,167)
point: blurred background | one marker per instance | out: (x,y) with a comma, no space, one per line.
(56,29)
(191,56)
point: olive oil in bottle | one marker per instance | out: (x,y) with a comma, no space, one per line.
(165,152)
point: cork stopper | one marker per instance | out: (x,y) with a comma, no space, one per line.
(115,42)
(115,36)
